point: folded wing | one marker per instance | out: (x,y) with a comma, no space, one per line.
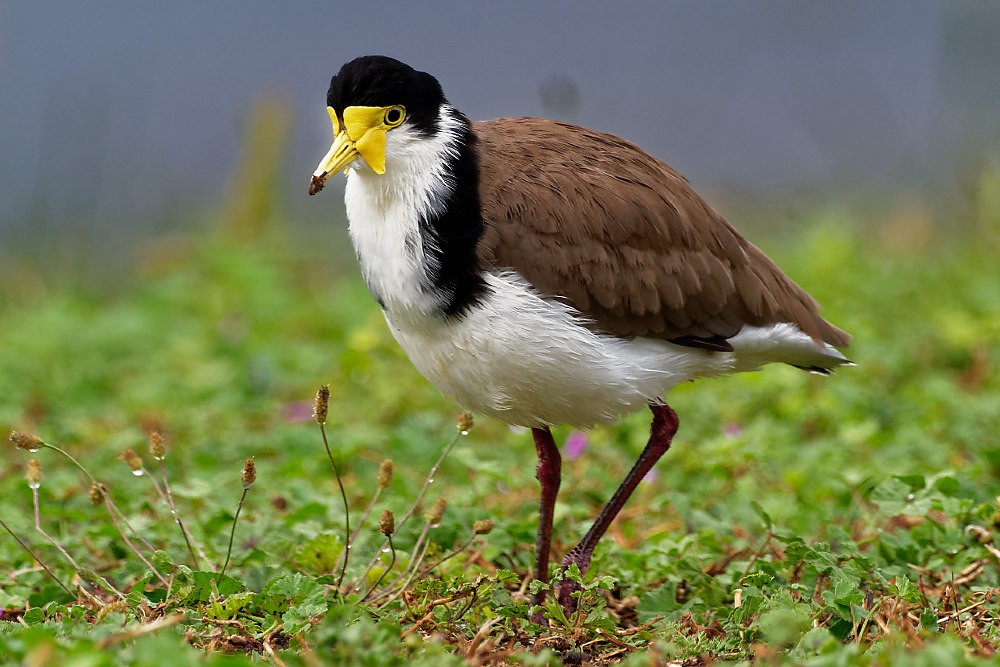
(624,239)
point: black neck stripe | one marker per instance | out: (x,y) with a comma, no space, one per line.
(450,237)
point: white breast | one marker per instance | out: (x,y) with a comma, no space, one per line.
(384,213)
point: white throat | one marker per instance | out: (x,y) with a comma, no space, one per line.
(385,212)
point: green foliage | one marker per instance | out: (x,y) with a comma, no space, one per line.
(797,520)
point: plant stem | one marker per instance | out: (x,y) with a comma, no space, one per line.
(232,533)
(72,561)
(420,496)
(451,554)
(347,511)
(79,465)
(38,560)
(392,562)
(428,480)
(38,527)
(412,572)
(107,498)
(168,498)
(419,549)
(110,507)
(364,516)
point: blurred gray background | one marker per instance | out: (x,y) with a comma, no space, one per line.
(121,120)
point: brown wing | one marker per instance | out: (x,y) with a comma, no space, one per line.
(622,237)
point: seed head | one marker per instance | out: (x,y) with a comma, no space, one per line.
(95,495)
(483,526)
(157,446)
(322,406)
(249,473)
(384,474)
(132,459)
(29,442)
(387,524)
(464,423)
(436,511)
(34,474)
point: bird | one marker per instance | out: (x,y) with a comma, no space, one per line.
(547,274)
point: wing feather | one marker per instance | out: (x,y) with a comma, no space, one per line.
(589,218)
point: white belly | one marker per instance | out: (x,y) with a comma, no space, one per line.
(526,360)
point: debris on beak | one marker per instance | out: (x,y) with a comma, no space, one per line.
(316,183)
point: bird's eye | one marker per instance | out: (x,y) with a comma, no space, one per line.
(394,116)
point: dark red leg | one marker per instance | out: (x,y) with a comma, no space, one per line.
(549,473)
(661,433)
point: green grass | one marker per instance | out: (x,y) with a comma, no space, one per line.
(797,520)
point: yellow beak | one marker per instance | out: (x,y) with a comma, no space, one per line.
(363,135)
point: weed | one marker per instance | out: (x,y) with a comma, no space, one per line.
(847,521)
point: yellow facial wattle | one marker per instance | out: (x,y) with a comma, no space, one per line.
(363,135)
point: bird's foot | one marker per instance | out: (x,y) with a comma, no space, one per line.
(567,587)
(538,618)
(564,593)
(564,589)
(566,599)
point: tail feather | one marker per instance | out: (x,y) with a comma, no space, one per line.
(785,343)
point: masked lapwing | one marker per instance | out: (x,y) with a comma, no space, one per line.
(543,273)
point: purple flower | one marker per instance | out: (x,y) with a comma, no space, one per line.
(299,411)
(576,444)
